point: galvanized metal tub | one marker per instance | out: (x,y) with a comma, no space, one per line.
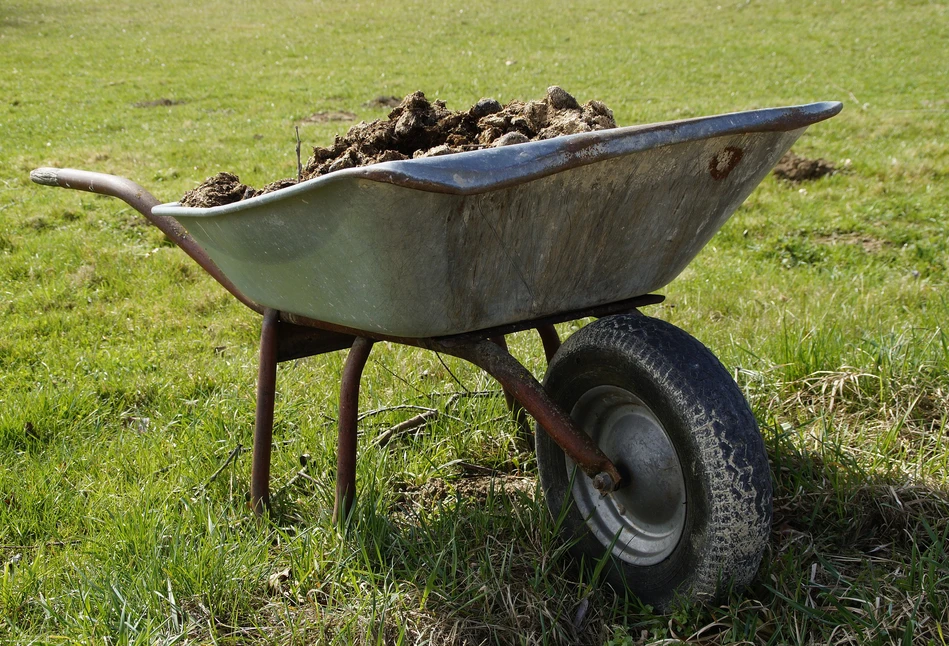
(464,242)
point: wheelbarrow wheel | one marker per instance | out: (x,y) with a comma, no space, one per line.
(692,517)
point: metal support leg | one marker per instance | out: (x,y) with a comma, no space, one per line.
(550,339)
(263,426)
(348,412)
(517,411)
(521,383)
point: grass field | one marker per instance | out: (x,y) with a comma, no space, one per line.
(127,375)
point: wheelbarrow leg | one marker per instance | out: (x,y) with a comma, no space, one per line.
(517,411)
(531,394)
(550,339)
(348,412)
(263,425)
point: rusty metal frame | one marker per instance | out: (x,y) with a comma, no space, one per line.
(517,411)
(285,337)
(542,324)
(348,415)
(550,339)
(263,422)
(530,394)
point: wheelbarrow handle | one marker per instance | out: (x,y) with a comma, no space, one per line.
(82,180)
(142,201)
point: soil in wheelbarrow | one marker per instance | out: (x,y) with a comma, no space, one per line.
(417,128)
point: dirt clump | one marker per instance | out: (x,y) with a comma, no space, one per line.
(223,188)
(226,188)
(795,168)
(418,128)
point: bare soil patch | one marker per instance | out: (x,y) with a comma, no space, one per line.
(869,243)
(158,103)
(381,101)
(417,128)
(472,490)
(795,168)
(333,115)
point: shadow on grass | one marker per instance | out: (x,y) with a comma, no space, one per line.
(475,560)
(470,559)
(855,554)
(840,506)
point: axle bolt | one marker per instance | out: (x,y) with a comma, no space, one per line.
(603,483)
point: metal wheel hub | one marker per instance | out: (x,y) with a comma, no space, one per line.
(643,520)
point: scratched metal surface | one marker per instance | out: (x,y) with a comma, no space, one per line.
(446,245)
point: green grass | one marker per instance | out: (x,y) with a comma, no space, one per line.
(127,375)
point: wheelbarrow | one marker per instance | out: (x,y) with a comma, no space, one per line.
(646,447)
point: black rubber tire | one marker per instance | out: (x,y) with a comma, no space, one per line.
(721,454)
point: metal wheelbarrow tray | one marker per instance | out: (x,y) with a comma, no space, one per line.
(644,441)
